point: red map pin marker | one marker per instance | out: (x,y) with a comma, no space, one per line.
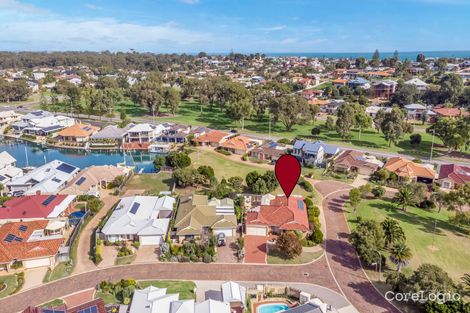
(287,171)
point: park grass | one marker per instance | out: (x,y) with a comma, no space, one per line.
(451,244)
(151,183)
(305,257)
(11,283)
(184,288)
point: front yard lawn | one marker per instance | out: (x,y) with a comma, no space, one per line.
(61,270)
(10,282)
(305,257)
(451,250)
(53,303)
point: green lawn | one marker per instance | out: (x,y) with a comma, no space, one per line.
(305,257)
(184,288)
(451,249)
(61,270)
(223,167)
(53,303)
(11,282)
(151,183)
(128,259)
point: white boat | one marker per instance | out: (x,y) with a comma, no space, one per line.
(160,148)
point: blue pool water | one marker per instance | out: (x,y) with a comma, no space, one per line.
(272,308)
(75,217)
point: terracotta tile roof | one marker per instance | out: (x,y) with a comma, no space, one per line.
(78,130)
(380,73)
(287,214)
(352,158)
(406,168)
(450,112)
(21,249)
(238,143)
(339,81)
(460,175)
(318,102)
(214,136)
(29,206)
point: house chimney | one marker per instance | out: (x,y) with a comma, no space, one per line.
(38,192)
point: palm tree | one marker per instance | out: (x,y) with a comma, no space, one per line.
(466,281)
(404,197)
(392,231)
(400,254)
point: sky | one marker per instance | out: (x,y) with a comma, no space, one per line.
(246,26)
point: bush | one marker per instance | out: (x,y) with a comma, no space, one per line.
(107,243)
(124,251)
(378,191)
(305,184)
(315,211)
(308,203)
(288,245)
(245,157)
(16,265)
(223,151)
(207,258)
(415,139)
(317,236)
(136,244)
(285,141)
(98,258)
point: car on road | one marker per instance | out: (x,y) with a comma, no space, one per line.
(220,240)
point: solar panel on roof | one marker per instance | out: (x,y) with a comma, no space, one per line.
(48,200)
(135,207)
(2,177)
(92,309)
(52,311)
(86,128)
(80,181)
(18,239)
(64,167)
(56,180)
(23,228)
(9,238)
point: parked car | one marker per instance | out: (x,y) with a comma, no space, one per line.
(220,240)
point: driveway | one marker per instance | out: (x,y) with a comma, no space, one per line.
(146,254)
(228,253)
(83,261)
(255,249)
(33,277)
(342,257)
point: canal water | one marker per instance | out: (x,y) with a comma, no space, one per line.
(36,155)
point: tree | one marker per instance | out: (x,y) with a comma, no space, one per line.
(400,254)
(440,199)
(354,198)
(239,104)
(289,109)
(429,278)
(367,238)
(392,231)
(404,197)
(148,93)
(271,181)
(206,171)
(378,191)
(466,281)
(345,120)
(415,139)
(259,187)
(236,182)
(178,159)
(315,131)
(450,306)
(360,62)
(404,94)
(251,178)
(454,133)
(172,99)
(420,58)
(184,177)
(288,245)
(362,120)
(375,58)
(330,123)
(393,125)
(451,88)
(464,99)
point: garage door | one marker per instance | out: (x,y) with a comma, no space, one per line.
(150,240)
(227,231)
(256,231)
(36,263)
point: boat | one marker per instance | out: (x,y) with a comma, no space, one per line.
(160,148)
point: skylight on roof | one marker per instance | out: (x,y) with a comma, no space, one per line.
(48,200)
(135,207)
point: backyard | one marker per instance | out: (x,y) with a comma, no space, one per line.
(10,281)
(449,248)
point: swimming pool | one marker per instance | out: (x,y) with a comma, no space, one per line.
(75,217)
(272,308)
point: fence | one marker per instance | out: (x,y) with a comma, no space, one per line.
(76,230)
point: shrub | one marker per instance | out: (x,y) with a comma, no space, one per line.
(288,245)
(124,251)
(98,258)
(106,242)
(315,211)
(378,191)
(305,185)
(308,203)
(415,139)
(207,258)
(285,141)
(317,236)
(223,151)
(136,244)
(16,265)
(245,157)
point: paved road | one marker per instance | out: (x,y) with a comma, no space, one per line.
(341,255)
(316,273)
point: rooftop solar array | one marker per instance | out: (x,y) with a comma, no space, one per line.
(53,311)
(2,177)
(135,207)
(48,200)
(80,181)
(92,309)
(64,167)
(56,180)
(87,128)
(23,228)
(9,238)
